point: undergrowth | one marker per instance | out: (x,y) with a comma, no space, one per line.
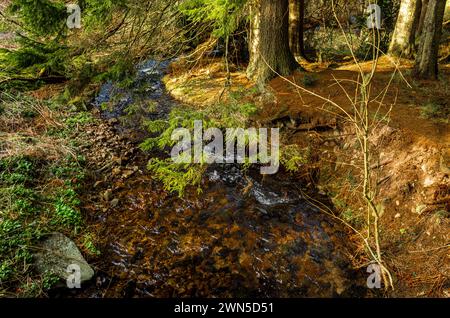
(39,191)
(435,110)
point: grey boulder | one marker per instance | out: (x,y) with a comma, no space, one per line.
(58,254)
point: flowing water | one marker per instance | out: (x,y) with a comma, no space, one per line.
(243,236)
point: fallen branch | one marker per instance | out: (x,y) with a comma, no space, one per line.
(46,79)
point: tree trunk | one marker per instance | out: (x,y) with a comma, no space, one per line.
(403,39)
(426,66)
(269,41)
(296,22)
(422,18)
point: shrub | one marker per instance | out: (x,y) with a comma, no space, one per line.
(309,80)
(435,110)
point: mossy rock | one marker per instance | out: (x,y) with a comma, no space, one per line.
(78,104)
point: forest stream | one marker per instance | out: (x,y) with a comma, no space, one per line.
(242,236)
(224,149)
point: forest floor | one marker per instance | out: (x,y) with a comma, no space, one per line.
(412,146)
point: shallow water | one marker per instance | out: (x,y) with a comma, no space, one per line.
(243,236)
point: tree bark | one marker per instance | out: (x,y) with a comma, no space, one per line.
(404,36)
(426,66)
(296,23)
(422,18)
(269,41)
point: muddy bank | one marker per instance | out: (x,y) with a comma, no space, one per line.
(413,193)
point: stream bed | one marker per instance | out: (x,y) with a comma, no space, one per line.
(244,235)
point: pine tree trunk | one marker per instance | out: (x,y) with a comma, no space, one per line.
(269,41)
(296,22)
(426,66)
(403,39)
(422,18)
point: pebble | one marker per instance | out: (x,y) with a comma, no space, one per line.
(114,203)
(108,195)
(127,173)
(96,184)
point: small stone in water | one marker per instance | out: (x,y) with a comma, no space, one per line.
(114,203)
(108,195)
(97,183)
